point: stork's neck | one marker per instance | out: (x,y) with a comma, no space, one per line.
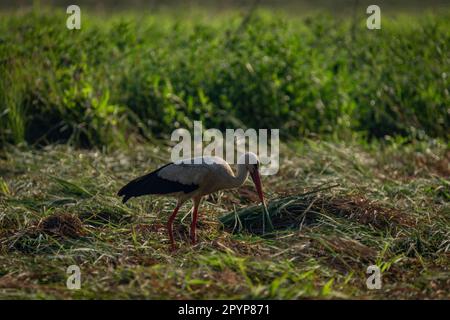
(240,177)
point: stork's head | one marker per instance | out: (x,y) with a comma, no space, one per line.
(251,162)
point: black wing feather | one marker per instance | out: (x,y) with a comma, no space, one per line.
(151,183)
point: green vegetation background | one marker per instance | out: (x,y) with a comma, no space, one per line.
(146,74)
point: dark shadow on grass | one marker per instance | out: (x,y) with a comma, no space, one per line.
(294,212)
(105,216)
(49,234)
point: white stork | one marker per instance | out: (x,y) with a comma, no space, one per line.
(193,179)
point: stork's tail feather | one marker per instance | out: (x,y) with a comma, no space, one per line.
(132,189)
(124,192)
(126,198)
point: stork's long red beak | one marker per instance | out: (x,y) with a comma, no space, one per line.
(257,181)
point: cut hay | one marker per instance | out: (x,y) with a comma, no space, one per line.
(49,231)
(63,225)
(294,212)
(281,213)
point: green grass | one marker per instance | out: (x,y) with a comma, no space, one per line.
(137,74)
(391,209)
(83,112)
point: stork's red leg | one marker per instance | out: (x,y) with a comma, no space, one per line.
(194,220)
(170,226)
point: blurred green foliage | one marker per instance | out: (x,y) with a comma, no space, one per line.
(134,75)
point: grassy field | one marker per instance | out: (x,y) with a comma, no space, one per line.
(391,208)
(128,74)
(364,175)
